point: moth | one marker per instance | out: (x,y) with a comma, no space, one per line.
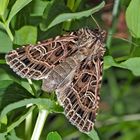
(71,65)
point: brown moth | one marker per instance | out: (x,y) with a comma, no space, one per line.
(72,66)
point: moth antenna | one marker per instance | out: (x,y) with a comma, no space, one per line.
(95,22)
(124,40)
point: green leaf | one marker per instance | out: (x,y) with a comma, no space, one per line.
(2,136)
(109,62)
(133,18)
(48,104)
(93,135)
(18,5)
(66,16)
(132,64)
(39,7)
(4,75)
(135,50)
(53,136)
(3,6)
(26,35)
(4,120)
(11,92)
(18,120)
(5,43)
(12,136)
(51,12)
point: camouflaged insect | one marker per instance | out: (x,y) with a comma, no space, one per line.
(72,66)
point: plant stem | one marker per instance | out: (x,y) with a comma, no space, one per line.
(9,33)
(73,5)
(120,59)
(67,24)
(70,4)
(32,87)
(111,79)
(7,29)
(114,120)
(28,125)
(111,30)
(28,120)
(76,5)
(39,124)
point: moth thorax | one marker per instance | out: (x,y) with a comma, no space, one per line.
(80,55)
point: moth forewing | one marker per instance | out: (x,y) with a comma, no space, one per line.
(70,64)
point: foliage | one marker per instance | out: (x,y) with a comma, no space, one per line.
(26,22)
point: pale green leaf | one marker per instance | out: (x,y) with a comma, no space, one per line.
(132,64)
(39,7)
(26,35)
(53,136)
(93,135)
(48,104)
(2,136)
(5,43)
(3,6)
(4,120)
(18,5)
(66,16)
(109,62)
(133,18)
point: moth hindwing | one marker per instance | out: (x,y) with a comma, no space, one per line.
(71,65)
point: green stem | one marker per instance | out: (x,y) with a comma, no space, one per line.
(111,30)
(39,124)
(28,125)
(70,4)
(120,59)
(28,120)
(6,27)
(111,78)
(73,5)
(32,87)
(76,5)
(9,33)
(114,120)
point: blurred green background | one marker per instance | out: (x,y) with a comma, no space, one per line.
(28,21)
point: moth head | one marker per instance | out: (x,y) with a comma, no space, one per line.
(98,34)
(90,36)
